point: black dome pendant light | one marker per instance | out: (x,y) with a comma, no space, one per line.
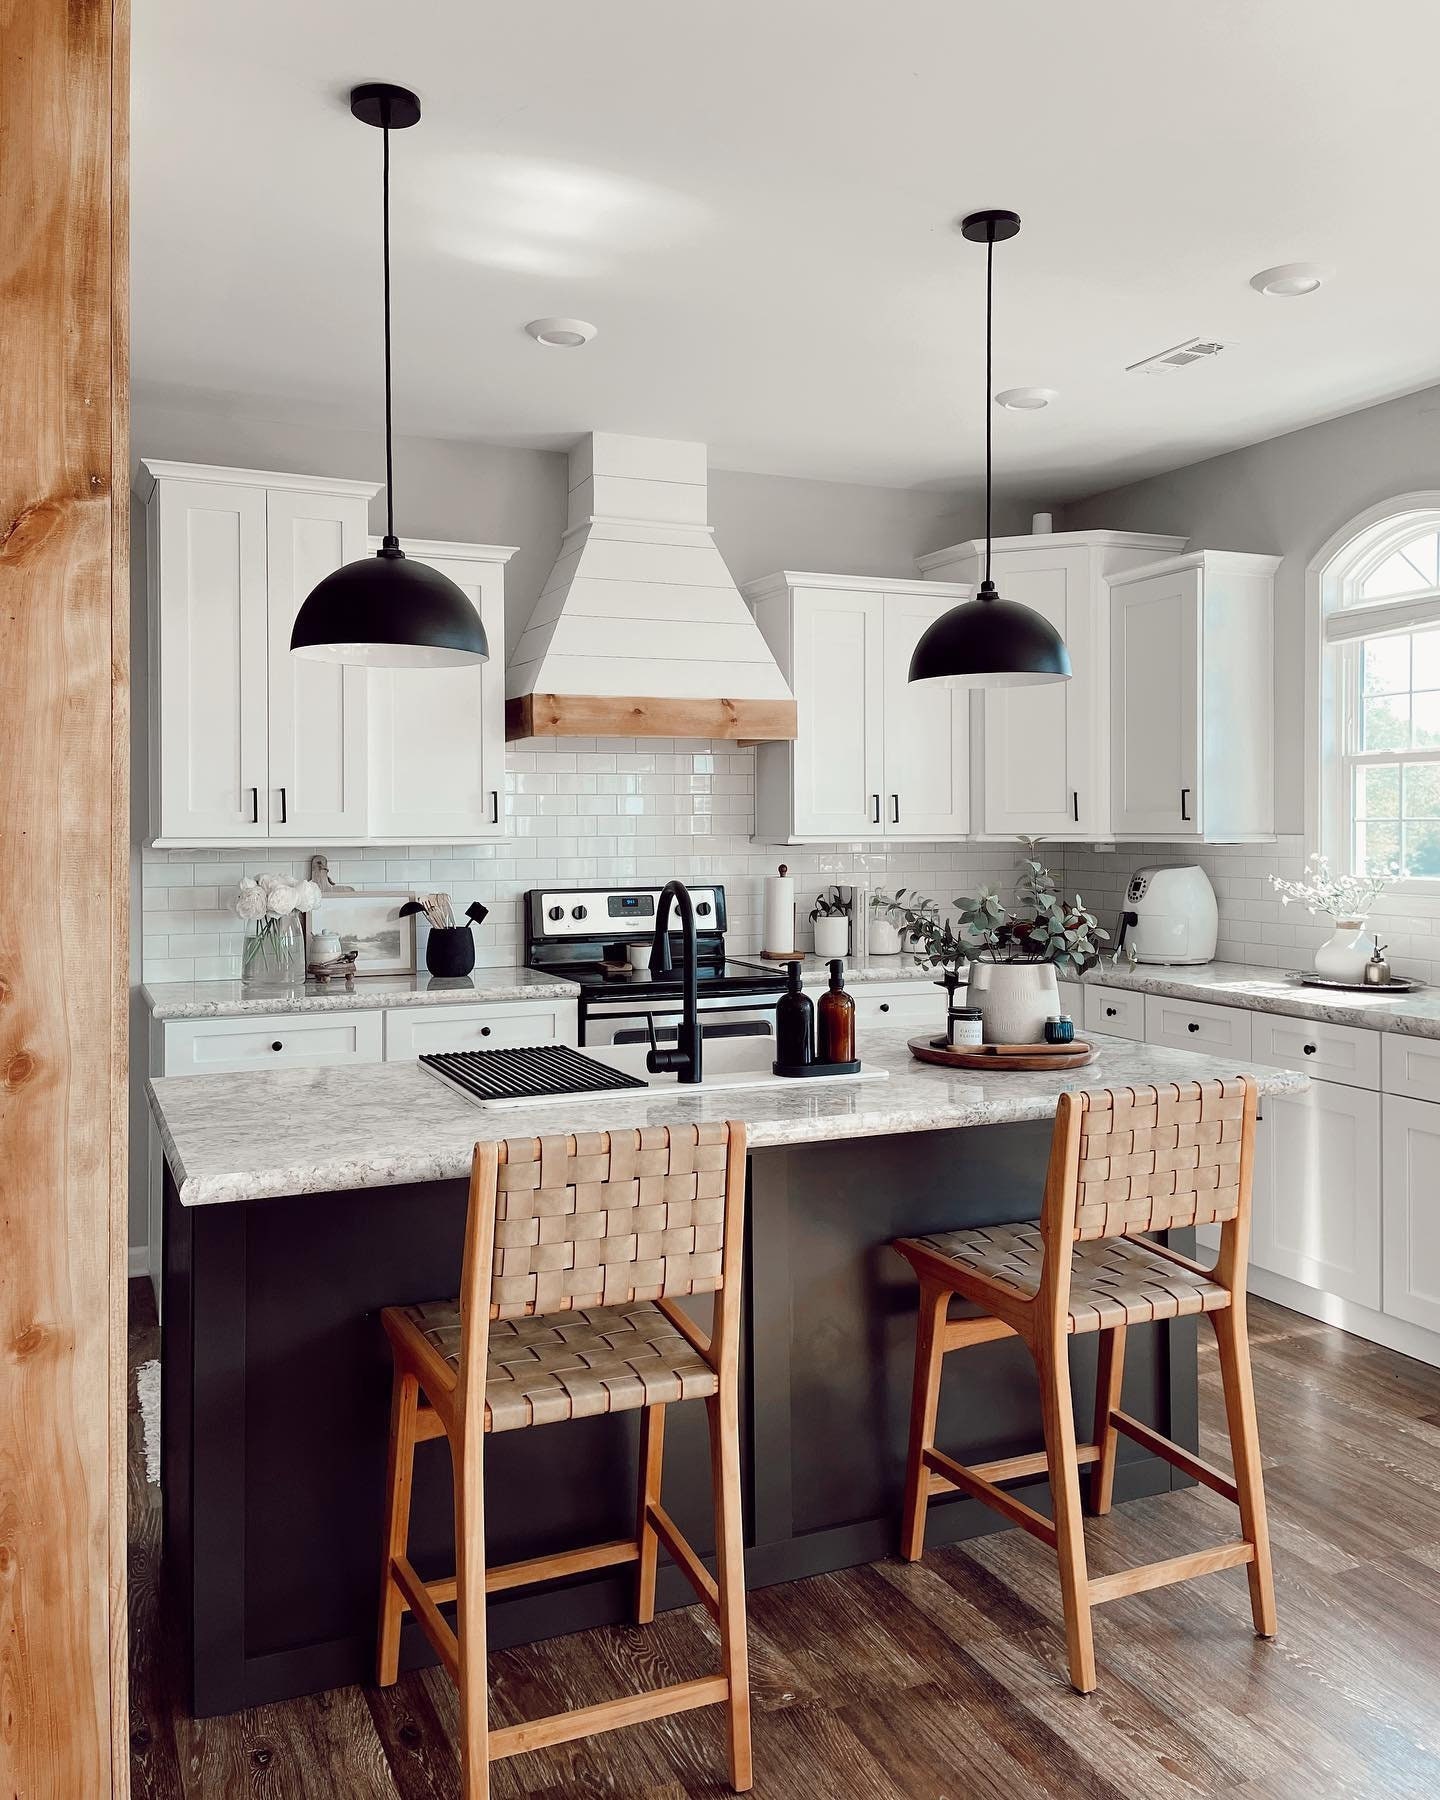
(987,641)
(386,611)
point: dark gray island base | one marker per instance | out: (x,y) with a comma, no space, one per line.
(277,1388)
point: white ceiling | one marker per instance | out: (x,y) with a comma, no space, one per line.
(754,202)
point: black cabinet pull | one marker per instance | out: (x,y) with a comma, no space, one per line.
(254,806)
(1109,1012)
(1310,1049)
(895,815)
(1075,804)
(1192,1026)
(277,1045)
(875,803)
(1185,803)
(484,1031)
(494,806)
(884,1006)
(284,810)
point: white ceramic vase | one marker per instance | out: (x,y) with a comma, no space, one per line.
(1344,954)
(832,936)
(884,937)
(1015,1000)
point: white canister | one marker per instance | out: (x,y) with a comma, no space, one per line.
(832,935)
(324,947)
(1344,954)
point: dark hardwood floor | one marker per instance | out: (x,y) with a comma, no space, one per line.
(945,1680)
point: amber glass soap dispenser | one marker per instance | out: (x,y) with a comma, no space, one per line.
(837,1019)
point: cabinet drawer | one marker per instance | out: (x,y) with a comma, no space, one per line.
(917,1007)
(1411,1065)
(1334,1052)
(1197,1025)
(1118,1011)
(273,1041)
(425,1030)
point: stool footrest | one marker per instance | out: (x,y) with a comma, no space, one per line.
(609,1715)
(1163,1574)
(956,1475)
(1012,1468)
(1176,1454)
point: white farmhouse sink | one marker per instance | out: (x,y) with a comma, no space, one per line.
(729,1064)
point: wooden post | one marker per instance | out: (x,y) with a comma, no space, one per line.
(64,862)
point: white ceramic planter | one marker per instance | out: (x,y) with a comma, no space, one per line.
(1344,954)
(884,938)
(832,936)
(1015,1000)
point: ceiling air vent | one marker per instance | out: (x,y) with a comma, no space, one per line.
(1178,356)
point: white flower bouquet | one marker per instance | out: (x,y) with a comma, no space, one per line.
(274,950)
(1344,899)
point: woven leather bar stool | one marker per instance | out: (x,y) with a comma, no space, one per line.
(1122,1162)
(576,1249)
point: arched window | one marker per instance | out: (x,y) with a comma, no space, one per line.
(1375,592)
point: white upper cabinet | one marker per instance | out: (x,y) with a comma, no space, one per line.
(250,743)
(1041,755)
(316,709)
(437,736)
(1192,723)
(205,549)
(873,757)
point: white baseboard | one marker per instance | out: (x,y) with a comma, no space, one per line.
(139,1260)
(1359,1321)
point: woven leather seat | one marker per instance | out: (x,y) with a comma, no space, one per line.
(604,1359)
(1118,1281)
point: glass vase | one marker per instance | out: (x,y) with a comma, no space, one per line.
(274,957)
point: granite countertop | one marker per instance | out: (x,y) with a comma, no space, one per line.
(298,1131)
(231,999)
(900,967)
(1273,991)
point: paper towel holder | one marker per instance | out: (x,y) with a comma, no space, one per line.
(784,955)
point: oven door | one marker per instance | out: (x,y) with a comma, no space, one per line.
(606,1022)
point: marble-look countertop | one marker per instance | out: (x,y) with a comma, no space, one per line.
(232,999)
(301,1131)
(1275,991)
(900,967)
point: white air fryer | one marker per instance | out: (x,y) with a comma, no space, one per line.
(1170,916)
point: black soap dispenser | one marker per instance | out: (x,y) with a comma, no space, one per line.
(794,1024)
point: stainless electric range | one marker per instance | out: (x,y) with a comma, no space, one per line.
(585,935)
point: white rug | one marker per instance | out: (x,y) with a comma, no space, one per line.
(147,1394)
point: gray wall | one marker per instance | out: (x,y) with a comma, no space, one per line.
(1286,496)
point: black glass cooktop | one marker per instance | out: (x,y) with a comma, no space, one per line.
(596,978)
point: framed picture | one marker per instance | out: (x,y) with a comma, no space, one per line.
(367,921)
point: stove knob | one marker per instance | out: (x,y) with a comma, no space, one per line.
(555,914)
(579,912)
(704,909)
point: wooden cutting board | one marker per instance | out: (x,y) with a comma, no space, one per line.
(1017,1058)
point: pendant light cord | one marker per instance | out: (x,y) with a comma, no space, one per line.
(389,427)
(989,404)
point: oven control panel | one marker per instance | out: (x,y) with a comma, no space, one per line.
(616,912)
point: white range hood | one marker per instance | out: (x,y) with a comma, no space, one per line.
(640,630)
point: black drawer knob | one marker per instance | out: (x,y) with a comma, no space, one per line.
(1192,1026)
(277,1045)
(484,1031)
(1110,1012)
(1310,1049)
(884,1006)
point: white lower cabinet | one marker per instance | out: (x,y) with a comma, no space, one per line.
(428,1030)
(1317,1190)
(1117,1012)
(1411,1213)
(1197,1025)
(278,1041)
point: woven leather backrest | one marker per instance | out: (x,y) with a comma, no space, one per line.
(1156,1157)
(608,1217)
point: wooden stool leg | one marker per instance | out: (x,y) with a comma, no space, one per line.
(924,1404)
(399,1471)
(1109,1378)
(723,1415)
(652,1457)
(1052,1360)
(1232,1338)
(471,1678)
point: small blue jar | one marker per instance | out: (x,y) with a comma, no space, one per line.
(1061,1030)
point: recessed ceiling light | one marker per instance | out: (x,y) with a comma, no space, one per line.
(1289,280)
(1025,399)
(561,334)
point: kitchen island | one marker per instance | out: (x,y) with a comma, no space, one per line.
(299,1203)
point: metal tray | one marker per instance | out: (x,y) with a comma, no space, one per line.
(1398,984)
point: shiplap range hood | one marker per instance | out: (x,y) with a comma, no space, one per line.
(640,630)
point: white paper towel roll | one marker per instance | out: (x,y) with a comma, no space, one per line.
(779,913)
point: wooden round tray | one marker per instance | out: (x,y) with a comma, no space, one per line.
(1018,1058)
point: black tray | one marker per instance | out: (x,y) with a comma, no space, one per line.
(798,1071)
